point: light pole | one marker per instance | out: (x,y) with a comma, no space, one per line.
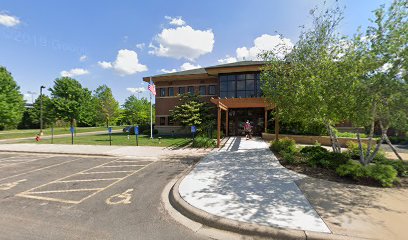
(41,113)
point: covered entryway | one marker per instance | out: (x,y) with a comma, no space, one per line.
(237,111)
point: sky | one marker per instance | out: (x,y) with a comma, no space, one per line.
(117,43)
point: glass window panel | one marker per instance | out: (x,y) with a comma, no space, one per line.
(223,78)
(250,76)
(162,120)
(182,90)
(240,85)
(240,94)
(223,94)
(162,92)
(203,90)
(231,86)
(171,91)
(257,76)
(224,86)
(211,90)
(241,77)
(191,90)
(250,94)
(231,77)
(231,94)
(250,84)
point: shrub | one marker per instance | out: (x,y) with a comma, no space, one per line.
(203,142)
(147,132)
(354,151)
(350,135)
(312,150)
(386,175)
(289,157)
(284,145)
(329,160)
(352,169)
(401,167)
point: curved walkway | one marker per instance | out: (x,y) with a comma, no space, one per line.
(245,182)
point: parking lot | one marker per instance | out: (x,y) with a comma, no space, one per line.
(83,197)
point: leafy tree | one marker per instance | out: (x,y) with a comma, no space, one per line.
(69,99)
(136,111)
(31,116)
(107,106)
(383,86)
(88,115)
(312,83)
(11,100)
(192,111)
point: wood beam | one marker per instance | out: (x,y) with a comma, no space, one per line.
(266,120)
(226,123)
(276,124)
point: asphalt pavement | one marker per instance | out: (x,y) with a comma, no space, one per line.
(87,197)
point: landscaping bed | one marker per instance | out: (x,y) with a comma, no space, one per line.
(317,162)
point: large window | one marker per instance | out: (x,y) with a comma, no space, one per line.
(203,90)
(171,91)
(182,90)
(162,121)
(240,85)
(191,90)
(211,90)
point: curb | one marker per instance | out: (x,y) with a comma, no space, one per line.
(243,228)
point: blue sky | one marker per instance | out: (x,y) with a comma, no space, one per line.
(118,42)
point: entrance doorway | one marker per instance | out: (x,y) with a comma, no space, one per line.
(238,116)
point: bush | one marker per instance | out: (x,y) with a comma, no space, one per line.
(309,151)
(289,157)
(354,151)
(350,135)
(399,140)
(401,167)
(147,132)
(352,169)
(284,145)
(328,160)
(386,175)
(203,142)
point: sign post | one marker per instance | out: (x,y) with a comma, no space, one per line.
(52,133)
(136,134)
(110,135)
(72,129)
(193,131)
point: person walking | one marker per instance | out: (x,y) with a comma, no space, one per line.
(248,130)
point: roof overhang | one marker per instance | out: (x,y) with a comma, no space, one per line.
(234,69)
(177,77)
(227,103)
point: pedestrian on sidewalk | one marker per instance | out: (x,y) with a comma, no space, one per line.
(248,130)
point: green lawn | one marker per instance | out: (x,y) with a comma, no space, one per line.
(119,139)
(10,134)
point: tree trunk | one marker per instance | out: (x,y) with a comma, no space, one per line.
(377,148)
(370,138)
(333,139)
(387,140)
(360,147)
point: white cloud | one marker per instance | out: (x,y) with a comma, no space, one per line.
(278,45)
(184,67)
(126,63)
(136,90)
(188,66)
(140,46)
(177,21)
(74,72)
(83,58)
(183,42)
(8,20)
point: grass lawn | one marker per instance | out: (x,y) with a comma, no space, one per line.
(119,139)
(10,134)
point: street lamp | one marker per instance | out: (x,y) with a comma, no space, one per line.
(41,114)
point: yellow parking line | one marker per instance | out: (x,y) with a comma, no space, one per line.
(66,190)
(47,198)
(88,180)
(105,172)
(22,162)
(125,166)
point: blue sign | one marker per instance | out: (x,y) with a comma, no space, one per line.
(193,129)
(72,129)
(110,129)
(137,130)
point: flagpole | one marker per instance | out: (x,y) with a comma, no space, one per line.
(151,114)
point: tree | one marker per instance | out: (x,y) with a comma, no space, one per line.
(69,99)
(383,86)
(312,82)
(192,111)
(136,111)
(31,116)
(107,106)
(11,101)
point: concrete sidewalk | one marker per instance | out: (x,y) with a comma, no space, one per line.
(97,150)
(245,182)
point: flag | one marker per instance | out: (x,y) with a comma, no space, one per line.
(152,88)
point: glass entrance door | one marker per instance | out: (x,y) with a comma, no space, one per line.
(237,118)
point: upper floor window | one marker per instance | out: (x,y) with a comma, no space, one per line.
(246,85)
(181,90)
(162,92)
(191,89)
(211,90)
(162,120)
(203,90)
(171,91)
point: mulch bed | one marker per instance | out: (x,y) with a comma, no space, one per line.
(331,175)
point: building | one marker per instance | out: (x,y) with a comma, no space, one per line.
(234,88)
